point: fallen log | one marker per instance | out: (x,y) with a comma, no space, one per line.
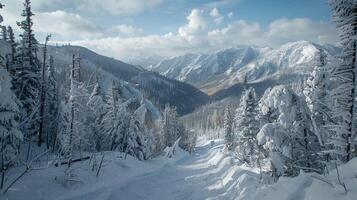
(72,161)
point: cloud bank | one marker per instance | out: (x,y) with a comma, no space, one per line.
(201,33)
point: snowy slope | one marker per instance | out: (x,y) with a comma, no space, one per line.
(221,69)
(184,97)
(314,186)
(208,173)
(119,69)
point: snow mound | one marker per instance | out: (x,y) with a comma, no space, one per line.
(314,186)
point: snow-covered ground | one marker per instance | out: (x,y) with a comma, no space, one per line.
(206,174)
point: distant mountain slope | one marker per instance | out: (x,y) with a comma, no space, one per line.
(237,89)
(162,91)
(224,68)
(115,67)
(157,88)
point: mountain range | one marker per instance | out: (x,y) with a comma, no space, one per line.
(220,70)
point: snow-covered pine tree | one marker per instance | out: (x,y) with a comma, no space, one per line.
(73,132)
(344,74)
(246,127)
(291,144)
(13,44)
(27,79)
(51,105)
(315,92)
(10,135)
(170,125)
(120,132)
(43,93)
(115,119)
(4,33)
(99,108)
(139,142)
(229,136)
(29,46)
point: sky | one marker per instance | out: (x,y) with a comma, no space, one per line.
(128,29)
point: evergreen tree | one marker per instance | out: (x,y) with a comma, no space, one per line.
(51,105)
(170,125)
(98,111)
(288,138)
(229,136)
(27,79)
(4,33)
(120,132)
(43,93)
(316,96)
(247,127)
(73,131)
(115,118)
(13,44)
(29,43)
(344,94)
(139,142)
(10,135)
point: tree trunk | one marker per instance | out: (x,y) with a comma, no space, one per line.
(43,95)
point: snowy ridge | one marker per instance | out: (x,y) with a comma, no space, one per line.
(224,68)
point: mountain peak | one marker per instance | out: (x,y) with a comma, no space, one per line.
(225,67)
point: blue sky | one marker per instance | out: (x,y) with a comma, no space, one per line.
(262,11)
(129,28)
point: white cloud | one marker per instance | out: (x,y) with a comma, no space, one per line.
(219,20)
(65,24)
(113,7)
(127,30)
(214,13)
(119,7)
(196,24)
(230,14)
(238,33)
(284,30)
(198,35)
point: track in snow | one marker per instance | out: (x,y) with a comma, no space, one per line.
(206,174)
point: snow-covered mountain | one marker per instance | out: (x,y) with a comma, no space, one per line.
(153,86)
(221,69)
